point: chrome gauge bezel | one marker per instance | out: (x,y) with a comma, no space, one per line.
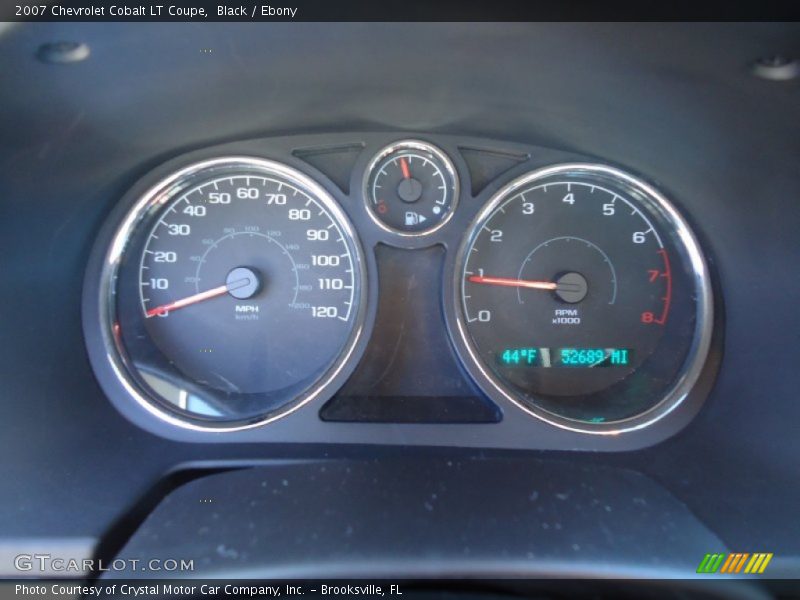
(698,352)
(140,214)
(421,146)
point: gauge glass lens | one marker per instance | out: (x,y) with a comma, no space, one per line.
(582,297)
(239,293)
(411,188)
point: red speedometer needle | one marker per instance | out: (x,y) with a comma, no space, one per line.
(188,301)
(404,167)
(504,281)
(195,298)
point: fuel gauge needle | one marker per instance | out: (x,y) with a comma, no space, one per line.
(195,298)
(404,168)
(523,283)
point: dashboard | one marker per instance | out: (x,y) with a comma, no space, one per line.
(521,296)
(361,286)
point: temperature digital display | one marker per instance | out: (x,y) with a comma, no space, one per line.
(565,357)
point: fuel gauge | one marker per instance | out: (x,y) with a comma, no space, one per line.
(411,188)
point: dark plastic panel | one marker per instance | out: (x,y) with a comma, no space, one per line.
(410,519)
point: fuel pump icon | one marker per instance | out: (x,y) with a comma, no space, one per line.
(413,218)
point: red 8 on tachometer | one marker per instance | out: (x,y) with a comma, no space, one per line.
(582,296)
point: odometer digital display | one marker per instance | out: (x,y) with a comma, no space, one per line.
(565,357)
(582,296)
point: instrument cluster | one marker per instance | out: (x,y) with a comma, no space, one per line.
(264,290)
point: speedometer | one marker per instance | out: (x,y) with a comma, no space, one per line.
(234,294)
(582,297)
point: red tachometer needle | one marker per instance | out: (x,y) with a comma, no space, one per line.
(404,168)
(195,298)
(536,285)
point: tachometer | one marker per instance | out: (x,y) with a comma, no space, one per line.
(235,293)
(582,296)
